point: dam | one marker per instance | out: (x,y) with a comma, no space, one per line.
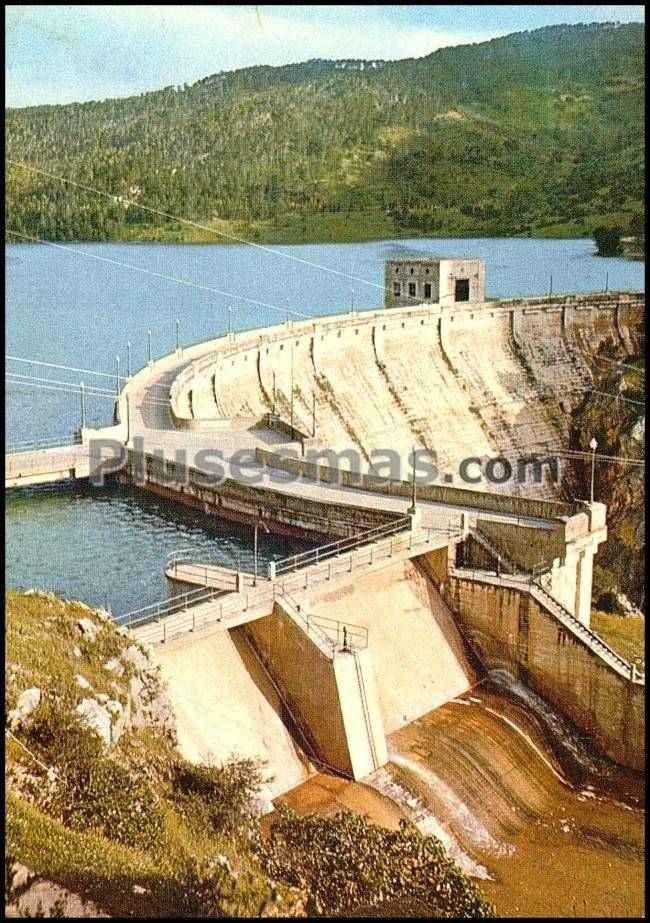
(416,589)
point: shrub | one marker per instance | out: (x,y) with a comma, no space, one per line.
(224,793)
(346,863)
(608,241)
(102,795)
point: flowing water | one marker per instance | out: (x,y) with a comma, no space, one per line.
(541,834)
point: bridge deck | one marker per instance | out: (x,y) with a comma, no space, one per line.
(47,465)
(254,602)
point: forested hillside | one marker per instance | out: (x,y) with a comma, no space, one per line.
(534,133)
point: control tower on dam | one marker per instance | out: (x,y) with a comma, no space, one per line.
(496,573)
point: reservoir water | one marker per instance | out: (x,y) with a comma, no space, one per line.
(79,305)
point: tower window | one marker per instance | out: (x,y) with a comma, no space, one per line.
(397,289)
(427,289)
(412,289)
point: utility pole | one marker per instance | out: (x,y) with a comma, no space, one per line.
(83,405)
(313,414)
(550,286)
(117,374)
(413,487)
(149,333)
(292,389)
(178,339)
(128,359)
(352,301)
(607,281)
(258,523)
(274,393)
(593,445)
(229,321)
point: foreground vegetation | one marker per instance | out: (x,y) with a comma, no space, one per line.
(133,828)
(537,133)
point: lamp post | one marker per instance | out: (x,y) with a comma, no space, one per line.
(258,523)
(292,435)
(412,508)
(178,334)
(149,337)
(593,445)
(128,359)
(117,374)
(83,405)
(352,301)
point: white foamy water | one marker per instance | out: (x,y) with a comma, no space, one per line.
(415,809)
(460,816)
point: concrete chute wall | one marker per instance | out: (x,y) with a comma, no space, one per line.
(225,705)
(419,657)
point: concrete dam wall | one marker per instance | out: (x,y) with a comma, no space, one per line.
(509,630)
(226,705)
(488,380)
(271,691)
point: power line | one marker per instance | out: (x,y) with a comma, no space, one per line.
(12,378)
(617,397)
(626,365)
(194,224)
(70,368)
(160,275)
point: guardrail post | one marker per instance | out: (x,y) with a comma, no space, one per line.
(193,619)
(272,574)
(164,628)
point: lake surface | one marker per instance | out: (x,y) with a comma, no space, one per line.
(79,305)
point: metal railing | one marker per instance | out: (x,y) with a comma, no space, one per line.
(199,607)
(531,583)
(592,639)
(17,448)
(155,611)
(337,548)
(332,633)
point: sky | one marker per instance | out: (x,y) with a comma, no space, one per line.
(60,54)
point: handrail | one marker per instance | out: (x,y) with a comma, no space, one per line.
(531,583)
(316,555)
(166,607)
(64,442)
(348,635)
(252,597)
(564,614)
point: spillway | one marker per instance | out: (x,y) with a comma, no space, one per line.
(226,705)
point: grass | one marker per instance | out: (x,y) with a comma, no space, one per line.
(40,638)
(141,832)
(626,635)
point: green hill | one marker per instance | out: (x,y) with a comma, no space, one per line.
(534,133)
